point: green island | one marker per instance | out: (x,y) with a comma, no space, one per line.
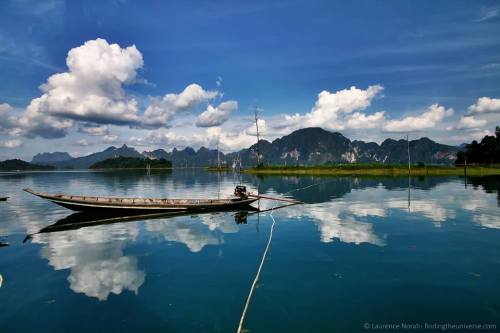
(371,169)
(20,165)
(132,163)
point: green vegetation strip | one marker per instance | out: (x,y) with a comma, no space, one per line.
(132,163)
(376,170)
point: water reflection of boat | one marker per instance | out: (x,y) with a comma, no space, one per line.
(86,219)
(93,203)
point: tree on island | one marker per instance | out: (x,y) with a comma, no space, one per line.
(132,163)
(16,164)
(485,152)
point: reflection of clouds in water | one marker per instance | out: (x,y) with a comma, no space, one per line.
(195,234)
(481,210)
(95,258)
(343,219)
(101,277)
(338,220)
(223,222)
(98,266)
(481,205)
(487,220)
(347,230)
(21,214)
(366,209)
(427,208)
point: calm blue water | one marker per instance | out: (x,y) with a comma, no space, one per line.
(359,251)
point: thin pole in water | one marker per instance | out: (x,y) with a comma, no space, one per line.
(465,167)
(409,170)
(256,115)
(408,143)
(218,154)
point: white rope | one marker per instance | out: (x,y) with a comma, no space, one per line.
(308,186)
(264,255)
(249,298)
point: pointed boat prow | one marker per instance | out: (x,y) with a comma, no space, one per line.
(30,191)
(38,194)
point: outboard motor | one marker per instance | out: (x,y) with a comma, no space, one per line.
(241,192)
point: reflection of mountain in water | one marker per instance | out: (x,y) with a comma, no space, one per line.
(337,187)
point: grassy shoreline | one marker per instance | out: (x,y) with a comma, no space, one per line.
(376,170)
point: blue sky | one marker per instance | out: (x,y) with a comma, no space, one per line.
(417,67)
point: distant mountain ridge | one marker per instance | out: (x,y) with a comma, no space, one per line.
(49,158)
(85,162)
(316,146)
(308,146)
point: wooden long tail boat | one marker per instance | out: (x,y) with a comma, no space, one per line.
(3,198)
(81,203)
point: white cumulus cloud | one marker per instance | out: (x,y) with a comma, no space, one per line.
(4,108)
(91,94)
(469,122)
(91,90)
(330,109)
(161,111)
(95,130)
(360,120)
(216,116)
(8,123)
(485,105)
(427,120)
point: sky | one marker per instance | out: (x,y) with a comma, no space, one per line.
(80,76)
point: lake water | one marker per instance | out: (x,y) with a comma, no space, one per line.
(360,251)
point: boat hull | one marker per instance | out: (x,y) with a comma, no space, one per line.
(79,207)
(141,205)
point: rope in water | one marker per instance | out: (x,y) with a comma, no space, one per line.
(254,283)
(308,186)
(264,255)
